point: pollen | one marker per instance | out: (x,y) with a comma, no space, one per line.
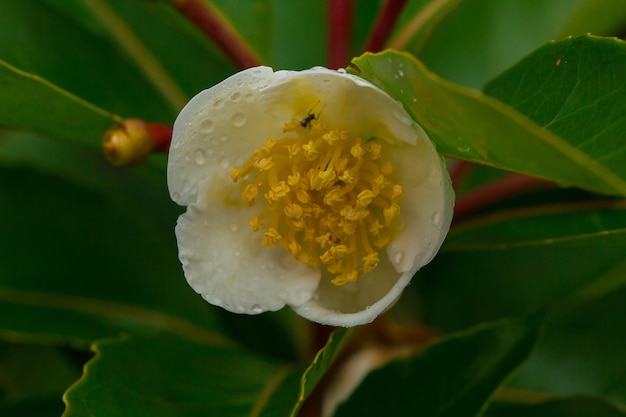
(328,198)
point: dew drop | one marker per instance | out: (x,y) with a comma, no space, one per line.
(234,227)
(463,148)
(238,119)
(235,97)
(400,73)
(237,253)
(207,126)
(398,257)
(256,309)
(436,218)
(225,163)
(218,103)
(249,97)
(341,70)
(175,196)
(199,157)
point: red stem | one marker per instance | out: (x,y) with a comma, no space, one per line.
(501,190)
(161,136)
(459,172)
(340,14)
(209,20)
(385,22)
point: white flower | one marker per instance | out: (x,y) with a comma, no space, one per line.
(311,188)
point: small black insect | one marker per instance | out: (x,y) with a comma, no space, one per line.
(310,117)
(306,122)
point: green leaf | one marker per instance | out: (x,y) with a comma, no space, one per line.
(600,17)
(565,407)
(468,125)
(28,101)
(576,89)
(298,385)
(455,376)
(174,377)
(170,376)
(517,260)
(33,378)
(582,340)
(92,263)
(478,39)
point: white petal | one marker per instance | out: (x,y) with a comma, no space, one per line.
(224,261)
(216,124)
(342,101)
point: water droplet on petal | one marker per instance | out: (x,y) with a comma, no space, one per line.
(175,196)
(436,218)
(207,126)
(225,163)
(401,73)
(199,157)
(398,257)
(341,70)
(235,97)
(249,97)
(234,227)
(218,103)
(237,253)
(238,119)
(256,309)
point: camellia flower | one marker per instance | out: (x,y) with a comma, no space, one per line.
(311,188)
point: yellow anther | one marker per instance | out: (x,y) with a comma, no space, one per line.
(345,278)
(334,198)
(235,174)
(249,194)
(295,248)
(334,253)
(391,213)
(375,150)
(323,179)
(256,223)
(310,151)
(294,179)
(293,211)
(278,191)
(347,177)
(375,227)
(381,240)
(348,227)
(357,151)
(328,199)
(302,196)
(365,197)
(290,126)
(349,213)
(294,149)
(270,238)
(264,164)
(396,192)
(370,262)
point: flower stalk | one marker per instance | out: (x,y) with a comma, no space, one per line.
(340,15)
(385,22)
(220,31)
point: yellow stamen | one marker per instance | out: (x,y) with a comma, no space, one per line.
(328,198)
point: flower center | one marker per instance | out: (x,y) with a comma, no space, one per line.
(328,198)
